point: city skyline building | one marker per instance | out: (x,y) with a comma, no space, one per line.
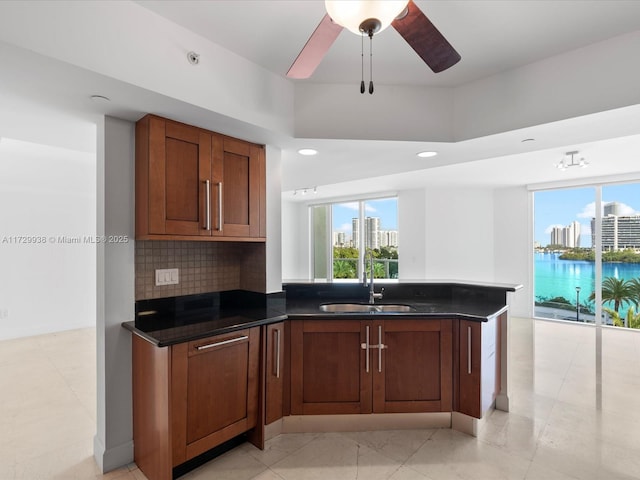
(374,238)
(618,232)
(372,232)
(612,208)
(568,236)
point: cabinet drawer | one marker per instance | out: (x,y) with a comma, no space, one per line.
(214,391)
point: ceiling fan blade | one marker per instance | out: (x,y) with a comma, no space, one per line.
(426,39)
(314,50)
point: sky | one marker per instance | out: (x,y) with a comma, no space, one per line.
(386,209)
(561,207)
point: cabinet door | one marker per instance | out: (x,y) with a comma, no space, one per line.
(238,179)
(214,391)
(178,168)
(412,366)
(328,367)
(274,372)
(479,371)
(469,374)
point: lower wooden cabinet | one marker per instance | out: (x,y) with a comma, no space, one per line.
(274,372)
(364,366)
(328,367)
(478,376)
(413,366)
(191,397)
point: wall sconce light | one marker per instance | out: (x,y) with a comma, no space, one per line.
(564,163)
(305,190)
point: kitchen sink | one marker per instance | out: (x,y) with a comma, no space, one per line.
(364,308)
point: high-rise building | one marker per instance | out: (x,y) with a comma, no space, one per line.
(618,233)
(572,239)
(612,208)
(355,232)
(568,236)
(371,229)
(339,239)
(556,236)
(388,238)
(371,232)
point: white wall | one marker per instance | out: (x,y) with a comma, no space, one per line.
(274,231)
(412,238)
(460,233)
(552,89)
(295,240)
(47,196)
(393,113)
(128,42)
(446,233)
(513,245)
(113,443)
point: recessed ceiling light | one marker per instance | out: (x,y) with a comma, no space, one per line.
(100,98)
(426,154)
(307,151)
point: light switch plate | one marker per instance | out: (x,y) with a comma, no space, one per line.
(167,276)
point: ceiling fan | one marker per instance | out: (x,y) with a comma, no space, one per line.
(368,17)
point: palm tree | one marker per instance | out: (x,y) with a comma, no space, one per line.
(615,290)
(343,269)
(633,319)
(615,317)
(634,286)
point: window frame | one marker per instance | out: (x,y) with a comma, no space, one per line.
(361,201)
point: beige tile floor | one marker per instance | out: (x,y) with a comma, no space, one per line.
(554,430)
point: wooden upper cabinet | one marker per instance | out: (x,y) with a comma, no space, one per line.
(237,177)
(192,183)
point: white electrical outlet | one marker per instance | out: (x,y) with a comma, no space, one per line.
(167,276)
(4,313)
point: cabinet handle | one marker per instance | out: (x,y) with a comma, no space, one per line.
(220,206)
(277,351)
(207,205)
(365,347)
(224,342)
(469,350)
(381,346)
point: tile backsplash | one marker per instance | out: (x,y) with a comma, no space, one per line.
(203,267)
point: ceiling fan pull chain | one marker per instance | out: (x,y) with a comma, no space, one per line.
(362,65)
(370,64)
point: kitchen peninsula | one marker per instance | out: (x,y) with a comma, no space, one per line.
(244,365)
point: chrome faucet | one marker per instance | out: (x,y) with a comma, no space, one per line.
(372,293)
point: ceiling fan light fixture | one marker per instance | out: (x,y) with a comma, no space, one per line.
(351,13)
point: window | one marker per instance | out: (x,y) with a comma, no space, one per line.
(565,255)
(344,232)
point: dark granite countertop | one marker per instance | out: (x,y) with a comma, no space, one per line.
(168,321)
(471,301)
(436,310)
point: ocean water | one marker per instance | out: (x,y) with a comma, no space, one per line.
(559,278)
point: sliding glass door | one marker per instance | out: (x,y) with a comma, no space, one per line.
(566,229)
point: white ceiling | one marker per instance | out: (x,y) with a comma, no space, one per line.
(491,36)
